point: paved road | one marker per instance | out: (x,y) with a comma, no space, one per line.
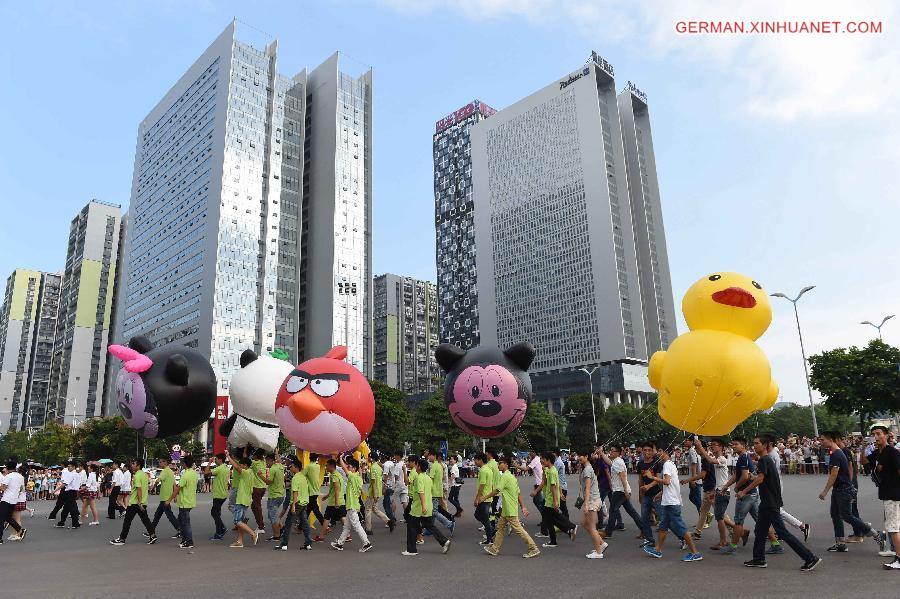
(80,563)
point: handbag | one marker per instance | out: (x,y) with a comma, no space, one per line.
(579,502)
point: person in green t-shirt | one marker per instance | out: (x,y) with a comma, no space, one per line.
(243,477)
(220,474)
(495,476)
(166,482)
(483,499)
(274,478)
(436,474)
(185,497)
(137,504)
(421,510)
(298,503)
(312,472)
(551,515)
(334,498)
(374,500)
(259,489)
(354,490)
(508,490)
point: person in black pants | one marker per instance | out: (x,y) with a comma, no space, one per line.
(71,483)
(618,499)
(421,512)
(137,505)
(769,483)
(483,506)
(551,516)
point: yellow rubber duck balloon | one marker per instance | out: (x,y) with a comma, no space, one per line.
(715,376)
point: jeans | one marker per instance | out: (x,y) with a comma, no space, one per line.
(748,504)
(617,501)
(552,519)
(387,501)
(70,508)
(453,498)
(414,526)
(161,509)
(516,525)
(441,518)
(483,515)
(184,520)
(842,501)
(216,513)
(670,519)
(273,504)
(695,495)
(648,504)
(130,513)
(771,517)
(302,516)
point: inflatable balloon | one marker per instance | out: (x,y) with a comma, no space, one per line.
(252,392)
(325,405)
(165,391)
(487,390)
(714,376)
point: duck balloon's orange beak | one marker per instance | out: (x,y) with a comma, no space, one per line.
(735,297)
(305,405)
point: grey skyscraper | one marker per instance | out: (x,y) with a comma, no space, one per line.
(454,225)
(37,401)
(85,309)
(251,211)
(406,333)
(555,239)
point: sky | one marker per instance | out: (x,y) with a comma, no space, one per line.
(776,154)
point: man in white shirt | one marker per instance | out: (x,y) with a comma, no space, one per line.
(387,478)
(124,487)
(621,490)
(670,511)
(116,486)
(71,482)
(537,471)
(455,483)
(12,486)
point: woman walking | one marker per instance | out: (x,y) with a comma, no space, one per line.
(91,491)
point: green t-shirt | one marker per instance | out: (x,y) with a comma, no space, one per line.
(509,491)
(258,467)
(411,476)
(335,489)
(375,474)
(436,473)
(276,475)
(486,479)
(187,495)
(354,488)
(220,482)
(166,483)
(243,481)
(495,472)
(141,481)
(301,488)
(311,472)
(422,485)
(551,479)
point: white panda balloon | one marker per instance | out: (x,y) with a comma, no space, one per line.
(252,392)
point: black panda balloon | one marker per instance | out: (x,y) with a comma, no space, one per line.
(165,391)
(487,390)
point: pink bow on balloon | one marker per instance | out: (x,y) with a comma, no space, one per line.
(134,360)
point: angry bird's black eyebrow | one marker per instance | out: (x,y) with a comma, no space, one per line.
(332,376)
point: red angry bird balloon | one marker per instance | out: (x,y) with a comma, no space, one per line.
(325,405)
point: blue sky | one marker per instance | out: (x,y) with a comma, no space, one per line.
(776,154)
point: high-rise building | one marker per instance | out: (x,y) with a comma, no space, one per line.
(454,225)
(27,330)
(250,211)
(657,302)
(555,240)
(406,333)
(85,308)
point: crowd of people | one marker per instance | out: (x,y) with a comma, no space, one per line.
(422,492)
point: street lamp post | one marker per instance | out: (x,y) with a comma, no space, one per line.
(803,351)
(878,326)
(570,415)
(74,403)
(590,374)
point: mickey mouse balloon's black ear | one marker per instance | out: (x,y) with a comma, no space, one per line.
(522,354)
(248,357)
(177,370)
(140,344)
(447,355)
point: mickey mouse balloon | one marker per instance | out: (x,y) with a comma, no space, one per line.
(487,390)
(165,391)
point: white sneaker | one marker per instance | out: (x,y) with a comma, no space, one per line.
(886,553)
(603,548)
(594,555)
(97,523)
(260,531)
(408,553)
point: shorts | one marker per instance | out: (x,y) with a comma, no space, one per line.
(21,507)
(670,519)
(744,506)
(592,505)
(83,492)
(721,506)
(124,493)
(272,507)
(891,515)
(239,513)
(334,513)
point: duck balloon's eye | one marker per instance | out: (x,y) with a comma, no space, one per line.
(476,392)
(757,285)
(715,277)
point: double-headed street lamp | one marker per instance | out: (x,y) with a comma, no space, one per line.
(570,415)
(74,403)
(803,351)
(590,374)
(878,326)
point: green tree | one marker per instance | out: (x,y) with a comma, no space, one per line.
(392,418)
(431,424)
(53,444)
(15,444)
(537,431)
(581,427)
(865,381)
(108,437)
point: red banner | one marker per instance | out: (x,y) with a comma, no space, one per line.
(221,416)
